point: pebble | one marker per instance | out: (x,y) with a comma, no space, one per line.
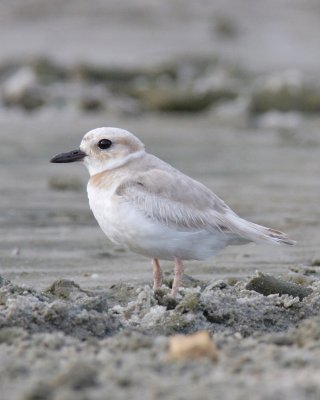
(192,347)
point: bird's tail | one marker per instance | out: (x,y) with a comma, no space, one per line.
(260,234)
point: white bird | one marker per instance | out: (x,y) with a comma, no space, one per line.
(153,209)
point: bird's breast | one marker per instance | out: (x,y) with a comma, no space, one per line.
(120,222)
(102,205)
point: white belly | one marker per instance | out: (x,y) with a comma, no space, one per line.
(126,226)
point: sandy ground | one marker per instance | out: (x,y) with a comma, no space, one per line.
(108,337)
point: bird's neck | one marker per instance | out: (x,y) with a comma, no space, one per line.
(97,166)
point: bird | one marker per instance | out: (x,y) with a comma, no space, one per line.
(153,209)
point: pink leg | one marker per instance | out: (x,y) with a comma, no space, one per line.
(157,274)
(178,271)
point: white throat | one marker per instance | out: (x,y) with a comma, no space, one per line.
(96,166)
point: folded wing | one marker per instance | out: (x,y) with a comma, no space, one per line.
(176,200)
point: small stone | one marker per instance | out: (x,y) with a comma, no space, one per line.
(267,284)
(192,347)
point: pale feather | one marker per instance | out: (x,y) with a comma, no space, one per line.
(166,195)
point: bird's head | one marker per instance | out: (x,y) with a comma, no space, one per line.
(104,149)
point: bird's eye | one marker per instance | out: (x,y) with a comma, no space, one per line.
(104,144)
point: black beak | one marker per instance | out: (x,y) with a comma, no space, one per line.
(71,156)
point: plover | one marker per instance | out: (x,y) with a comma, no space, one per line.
(153,209)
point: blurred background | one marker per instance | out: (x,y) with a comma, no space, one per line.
(227,91)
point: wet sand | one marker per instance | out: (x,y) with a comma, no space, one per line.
(78,318)
(48,234)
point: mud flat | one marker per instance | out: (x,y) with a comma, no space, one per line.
(78,318)
(67,342)
(106,335)
(228,92)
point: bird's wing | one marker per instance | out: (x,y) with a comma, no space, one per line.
(175,199)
